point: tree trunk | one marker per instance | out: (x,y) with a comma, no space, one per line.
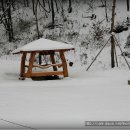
(127,5)
(112,37)
(106,11)
(56,6)
(36,17)
(27,2)
(33,5)
(10,24)
(70,7)
(43,1)
(53,14)
(24,3)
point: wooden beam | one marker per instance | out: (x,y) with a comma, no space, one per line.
(22,70)
(64,63)
(38,74)
(45,66)
(37,51)
(31,61)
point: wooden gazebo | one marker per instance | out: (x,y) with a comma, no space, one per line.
(43,47)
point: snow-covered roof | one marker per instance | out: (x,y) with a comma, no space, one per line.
(43,44)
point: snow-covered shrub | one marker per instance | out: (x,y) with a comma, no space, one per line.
(5,49)
(120,27)
(24,25)
(127,44)
(85,25)
(90,3)
(83,58)
(97,33)
(51,37)
(71,30)
(53,34)
(83,50)
(84,44)
(35,37)
(72,35)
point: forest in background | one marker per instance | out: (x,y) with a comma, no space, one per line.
(84,23)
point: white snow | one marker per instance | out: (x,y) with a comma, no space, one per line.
(43,44)
(65,103)
(100,94)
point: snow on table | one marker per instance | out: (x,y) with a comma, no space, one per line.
(85,96)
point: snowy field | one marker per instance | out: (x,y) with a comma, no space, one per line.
(65,103)
(100,94)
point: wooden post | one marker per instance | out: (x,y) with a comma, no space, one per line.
(22,71)
(53,61)
(112,52)
(65,70)
(31,61)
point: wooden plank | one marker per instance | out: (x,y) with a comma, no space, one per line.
(64,63)
(45,66)
(31,61)
(53,61)
(38,74)
(22,70)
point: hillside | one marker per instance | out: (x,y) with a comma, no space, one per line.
(87,34)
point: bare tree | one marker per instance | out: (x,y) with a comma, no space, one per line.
(6,18)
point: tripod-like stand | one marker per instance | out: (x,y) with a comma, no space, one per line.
(115,44)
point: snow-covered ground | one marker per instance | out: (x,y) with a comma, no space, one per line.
(65,103)
(100,94)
